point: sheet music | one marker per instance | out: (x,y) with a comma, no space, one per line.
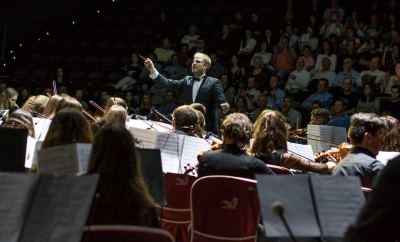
(83,151)
(146,124)
(170,145)
(295,195)
(30,151)
(333,136)
(300,149)
(64,159)
(338,202)
(385,156)
(59,209)
(314,134)
(193,146)
(15,198)
(147,138)
(41,127)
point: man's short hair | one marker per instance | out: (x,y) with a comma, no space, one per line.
(238,127)
(360,123)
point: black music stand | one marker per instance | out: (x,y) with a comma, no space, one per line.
(314,207)
(153,174)
(13,149)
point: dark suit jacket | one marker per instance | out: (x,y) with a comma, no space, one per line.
(211,95)
(231,161)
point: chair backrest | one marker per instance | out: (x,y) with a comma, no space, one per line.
(224,208)
(125,233)
(280,170)
(177,189)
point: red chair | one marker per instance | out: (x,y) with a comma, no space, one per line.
(224,208)
(280,170)
(124,233)
(176,214)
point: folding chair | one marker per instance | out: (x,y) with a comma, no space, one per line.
(124,233)
(176,214)
(280,170)
(224,208)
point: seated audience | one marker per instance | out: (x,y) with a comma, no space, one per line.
(339,118)
(293,117)
(369,102)
(321,95)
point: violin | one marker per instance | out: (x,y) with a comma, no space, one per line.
(192,170)
(299,132)
(334,154)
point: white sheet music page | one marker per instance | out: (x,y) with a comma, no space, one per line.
(64,159)
(30,151)
(193,146)
(385,156)
(83,154)
(170,145)
(145,138)
(313,135)
(302,150)
(41,127)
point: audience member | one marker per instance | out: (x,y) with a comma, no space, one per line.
(339,118)
(274,93)
(297,83)
(326,73)
(393,106)
(168,106)
(321,95)
(369,102)
(236,72)
(199,48)
(164,53)
(250,93)
(146,107)
(132,73)
(174,70)
(216,69)
(293,117)
(284,58)
(190,38)
(262,104)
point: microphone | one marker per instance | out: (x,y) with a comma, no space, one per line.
(278,209)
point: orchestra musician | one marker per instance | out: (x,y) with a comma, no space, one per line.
(366,134)
(185,121)
(270,145)
(231,159)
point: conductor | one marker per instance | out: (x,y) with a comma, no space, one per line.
(198,88)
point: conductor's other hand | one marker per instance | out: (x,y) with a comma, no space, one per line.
(225,107)
(149,65)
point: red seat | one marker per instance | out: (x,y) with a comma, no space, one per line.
(280,170)
(224,208)
(176,215)
(124,233)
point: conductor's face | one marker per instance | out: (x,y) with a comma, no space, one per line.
(198,66)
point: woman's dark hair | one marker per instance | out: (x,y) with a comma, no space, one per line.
(271,131)
(123,196)
(373,92)
(67,127)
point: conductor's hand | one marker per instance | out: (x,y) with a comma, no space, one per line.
(225,107)
(149,65)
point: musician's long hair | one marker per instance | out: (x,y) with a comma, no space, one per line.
(68,126)
(115,101)
(123,196)
(391,135)
(21,119)
(271,131)
(50,109)
(69,102)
